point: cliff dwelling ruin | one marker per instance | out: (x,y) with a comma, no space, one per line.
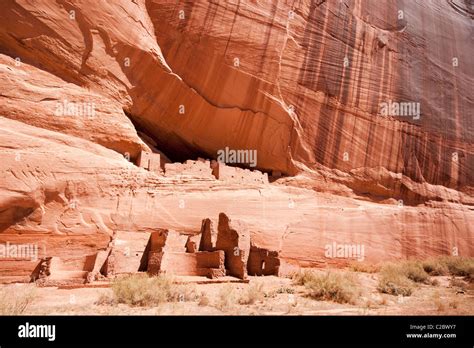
(227,251)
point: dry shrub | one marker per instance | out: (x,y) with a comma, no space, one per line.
(454,265)
(459,266)
(453,303)
(303,277)
(14,300)
(252,294)
(413,270)
(438,302)
(203,300)
(435,267)
(393,280)
(105,300)
(341,288)
(364,267)
(226,297)
(458,283)
(285,290)
(142,290)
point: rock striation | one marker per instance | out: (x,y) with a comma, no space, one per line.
(353,119)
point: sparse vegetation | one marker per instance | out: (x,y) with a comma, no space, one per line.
(438,302)
(457,283)
(393,280)
(104,300)
(203,300)
(414,271)
(285,290)
(364,267)
(453,303)
(226,297)
(15,300)
(341,288)
(435,267)
(142,290)
(303,277)
(459,266)
(364,292)
(397,278)
(368,304)
(454,265)
(252,294)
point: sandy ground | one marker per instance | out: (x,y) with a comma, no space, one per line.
(278,296)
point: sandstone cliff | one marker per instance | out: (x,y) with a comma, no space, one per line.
(301,82)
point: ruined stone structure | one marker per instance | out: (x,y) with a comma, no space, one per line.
(227,252)
(263,262)
(208,236)
(194,169)
(150,161)
(234,239)
(210,253)
(127,254)
(201,169)
(237,175)
(177,254)
(309,112)
(54,271)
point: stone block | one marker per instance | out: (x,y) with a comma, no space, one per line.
(263,262)
(233,237)
(149,161)
(208,236)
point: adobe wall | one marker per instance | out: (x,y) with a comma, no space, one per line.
(200,169)
(150,161)
(192,244)
(209,264)
(263,262)
(127,254)
(208,236)
(210,259)
(234,239)
(209,253)
(168,240)
(230,174)
(99,261)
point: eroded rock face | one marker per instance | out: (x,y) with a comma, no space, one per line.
(301,83)
(307,80)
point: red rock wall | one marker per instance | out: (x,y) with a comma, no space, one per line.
(65,179)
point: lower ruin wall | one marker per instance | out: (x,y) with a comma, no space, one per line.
(227,252)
